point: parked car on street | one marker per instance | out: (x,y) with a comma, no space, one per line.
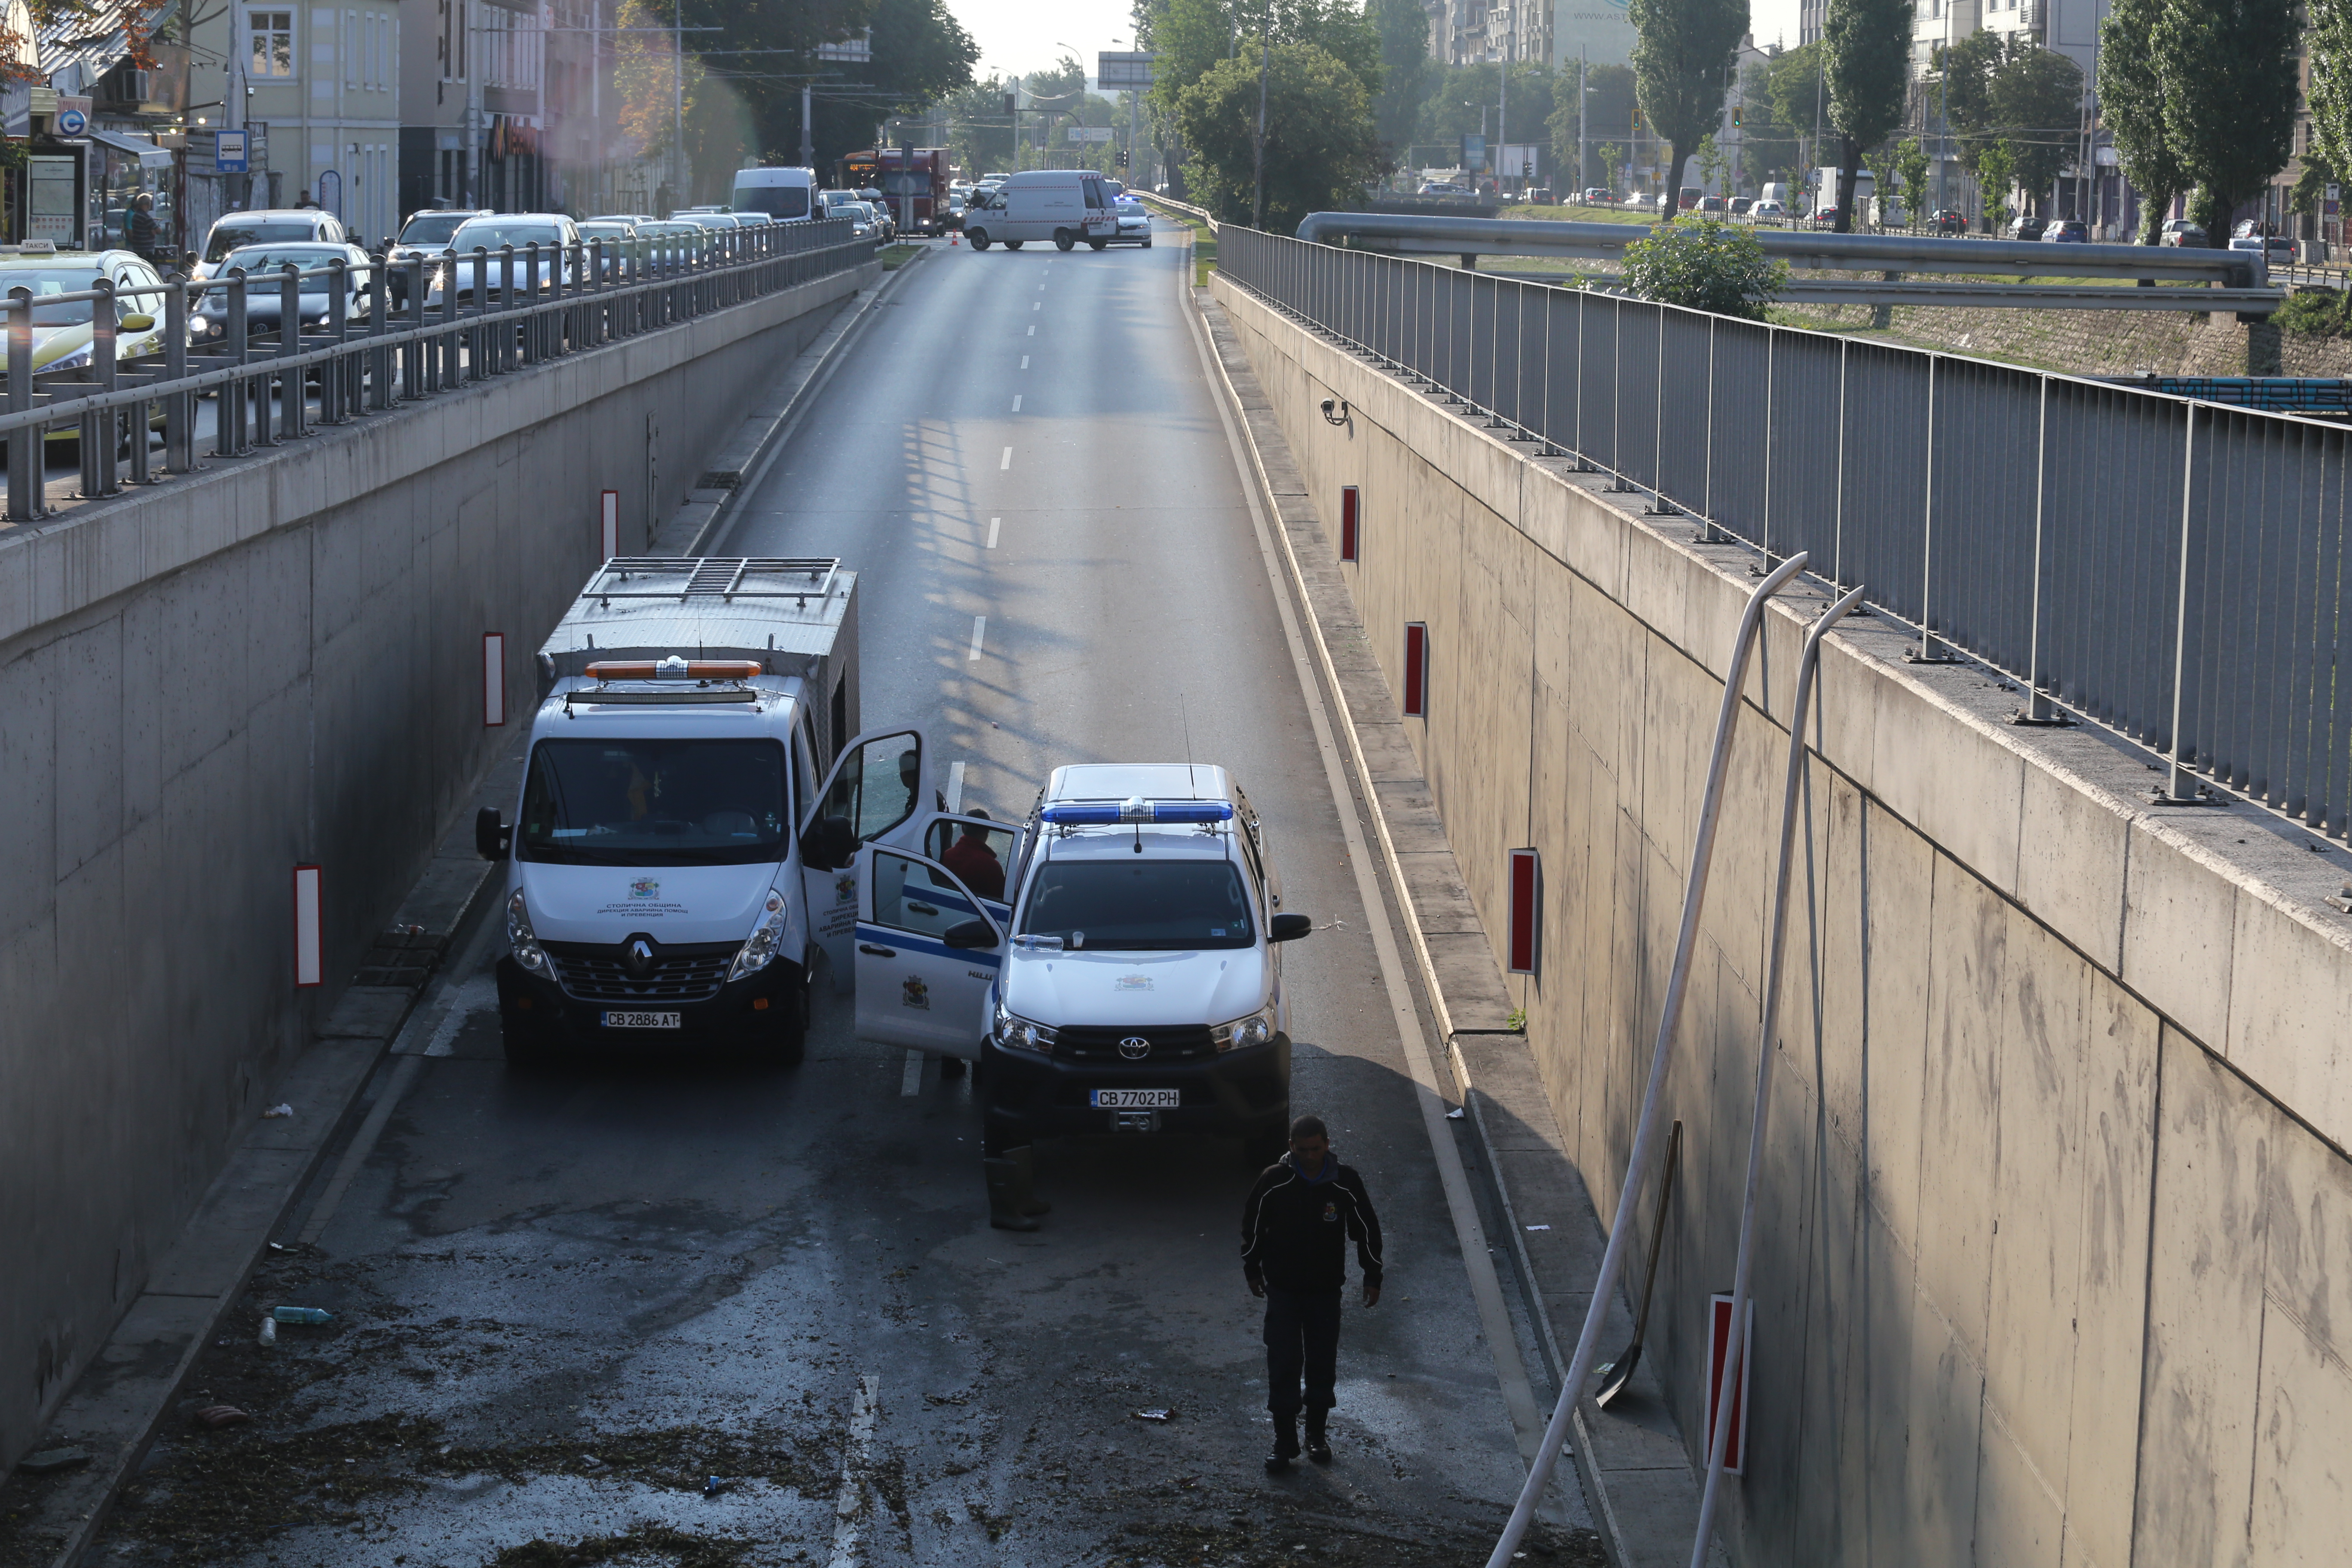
(1946,220)
(1597,195)
(2180,231)
(2277,249)
(1767,208)
(2028,229)
(2067,231)
(1740,205)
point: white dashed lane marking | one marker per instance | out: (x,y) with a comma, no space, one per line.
(979,630)
(994,524)
(1006,461)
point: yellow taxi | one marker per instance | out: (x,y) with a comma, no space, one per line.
(63,333)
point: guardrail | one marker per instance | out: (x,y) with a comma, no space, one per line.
(499,312)
(1185,209)
(1810,249)
(2170,568)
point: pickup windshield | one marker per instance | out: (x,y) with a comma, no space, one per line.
(634,801)
(1131,904)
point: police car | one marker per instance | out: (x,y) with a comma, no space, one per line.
(1130,971)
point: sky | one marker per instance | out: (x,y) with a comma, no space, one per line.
(1016,36)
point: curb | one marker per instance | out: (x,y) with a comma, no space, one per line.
(1454,1032)
(744,464)
(122,1397)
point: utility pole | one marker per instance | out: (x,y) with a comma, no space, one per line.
(677,98)
(240,48)
(808,130)
(1583,174)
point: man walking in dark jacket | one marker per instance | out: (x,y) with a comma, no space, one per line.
(1295,1232)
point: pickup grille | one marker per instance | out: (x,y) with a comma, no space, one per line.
(1092,1043)
(593,971)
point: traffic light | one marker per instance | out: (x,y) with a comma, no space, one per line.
(1735,114)
(1122,157)
(1011,101)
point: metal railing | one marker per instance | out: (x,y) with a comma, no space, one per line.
(458,320)
(2172,569)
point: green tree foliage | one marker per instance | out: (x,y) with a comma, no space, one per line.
(1705,265)
(1613,158)
(1609,111)
(1682,64)
(1320,150)
(2132,94)
(2311,187)
(1407,73)
(1996,174)
(1909,163)
(2008,91)
(1868,46)
(2329,42)
(2231,67)
(980,134)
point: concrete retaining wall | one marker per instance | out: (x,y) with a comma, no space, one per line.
(274,661)
(2052,1267)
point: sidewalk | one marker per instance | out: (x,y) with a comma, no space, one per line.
(1637,1478)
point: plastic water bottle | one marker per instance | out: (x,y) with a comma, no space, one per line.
(302,1314)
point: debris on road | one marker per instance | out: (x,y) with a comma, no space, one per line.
(275,1112)
(714,1485)
(269,1331)
(302,1314)
(50,1460)
(1155,1416)
(213,1417)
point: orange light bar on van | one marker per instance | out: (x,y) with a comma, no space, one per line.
(674,669)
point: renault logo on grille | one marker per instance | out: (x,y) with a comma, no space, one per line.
(1135,1048)
(637,956)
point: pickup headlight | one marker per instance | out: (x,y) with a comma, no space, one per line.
(760,950)
(521,941)
(1254,1030)
(1018,1033)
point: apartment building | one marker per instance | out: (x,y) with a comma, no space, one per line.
(325,80)
(471,119)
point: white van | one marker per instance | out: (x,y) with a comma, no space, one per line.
(1065,206)
(785,195)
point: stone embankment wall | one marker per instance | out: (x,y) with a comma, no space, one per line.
(2051,1265)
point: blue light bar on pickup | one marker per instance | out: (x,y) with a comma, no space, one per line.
(1111,813)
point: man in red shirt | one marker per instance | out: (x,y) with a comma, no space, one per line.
(974,863)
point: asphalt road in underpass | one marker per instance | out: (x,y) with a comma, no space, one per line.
(566,1299)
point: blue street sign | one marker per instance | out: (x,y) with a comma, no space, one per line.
(228,155)
(72,123)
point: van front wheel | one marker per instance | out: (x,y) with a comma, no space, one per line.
(978,237)
(1063,239)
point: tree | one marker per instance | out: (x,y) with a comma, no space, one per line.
(1610,156)
(2132,103)
(980,133)
(1682,64)
(1320,148)
(2329,42)
(1994,174)
(1910,166)
(2036,111)
(1799,98)
(1868,43)
(1406,71)
(1705,265)
(2229,80)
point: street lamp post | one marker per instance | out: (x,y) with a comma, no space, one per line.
(1264,57)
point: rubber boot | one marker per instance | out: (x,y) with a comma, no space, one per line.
(1285,1445)
(1025,1157)
(1004,1187)
(1318,1446)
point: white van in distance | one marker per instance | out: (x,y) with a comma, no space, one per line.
(1065,206)
(786,195)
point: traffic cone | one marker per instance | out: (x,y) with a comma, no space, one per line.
(954,235)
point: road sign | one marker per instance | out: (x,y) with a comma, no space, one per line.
(229,153)
(1115,72)
(857,48)
(72,123)
(1089,133)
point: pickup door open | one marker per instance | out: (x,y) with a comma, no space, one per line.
(913,989)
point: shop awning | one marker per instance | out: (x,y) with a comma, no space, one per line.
(150,156)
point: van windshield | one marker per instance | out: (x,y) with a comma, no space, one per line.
(1139,904)
(630,802)
(776,201)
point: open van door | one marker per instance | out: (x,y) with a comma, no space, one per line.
(880,791)
(983,852)
(915,987)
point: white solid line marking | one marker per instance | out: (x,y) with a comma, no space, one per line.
(910,1082)
(1486,1289)
(848,1503)
(994,524)
(955,792)
(979,630)
(1024,361)
(1005,462)
(1016,403)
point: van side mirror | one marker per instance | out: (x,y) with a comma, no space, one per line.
(970,934)
(830,844)
(1288,928)
(492,839)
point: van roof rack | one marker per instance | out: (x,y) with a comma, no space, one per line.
(723,577)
